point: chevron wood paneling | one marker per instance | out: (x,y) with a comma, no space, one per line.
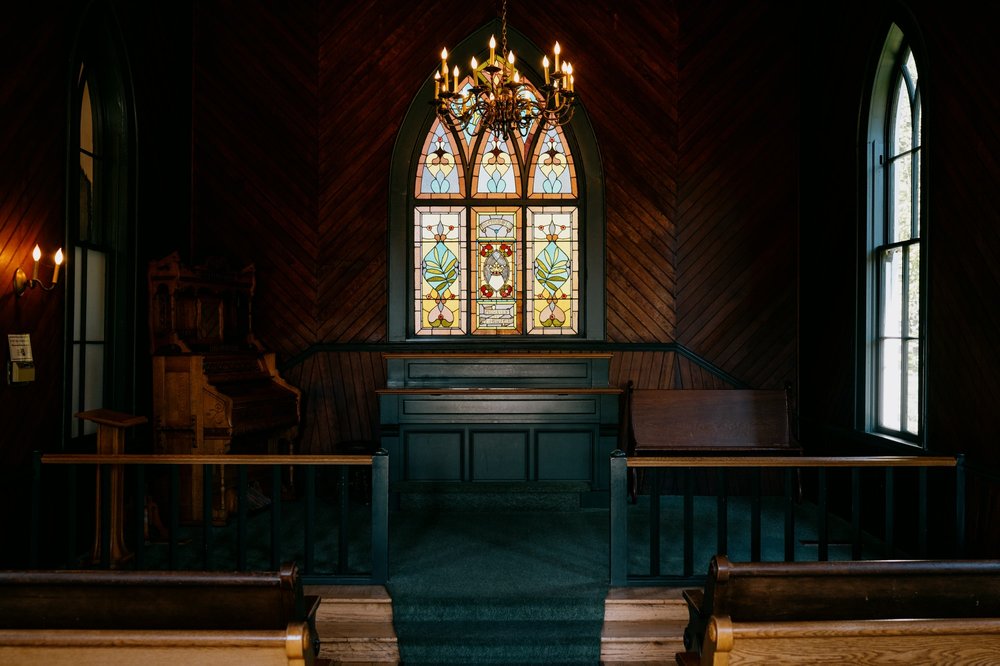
(307,196)
(32,201)
(255,156)
(736,209)
(338,401)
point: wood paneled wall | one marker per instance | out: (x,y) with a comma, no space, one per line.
(695,114)
(729,155)
(961,142)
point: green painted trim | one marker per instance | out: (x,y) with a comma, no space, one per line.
(488,346)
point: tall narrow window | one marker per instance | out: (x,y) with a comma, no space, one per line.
(100,344)
(492,237)
(895,266)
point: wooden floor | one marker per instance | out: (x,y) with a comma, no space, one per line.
(354,623)
(643,626)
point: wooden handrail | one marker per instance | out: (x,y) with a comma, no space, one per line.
(788,466)
(499,354)
(499,390)
(190,459)
(792,461)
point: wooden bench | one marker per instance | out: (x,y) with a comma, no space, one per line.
(130,617)
(741,594)
(706,422)
(896,641)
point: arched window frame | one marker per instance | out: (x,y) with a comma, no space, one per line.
(410,142)
(102,254)
(893,389)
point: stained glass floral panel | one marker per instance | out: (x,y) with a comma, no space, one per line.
(553,275)
(440,278)
(440,174)
(496,173)
(552,171)
(497,255)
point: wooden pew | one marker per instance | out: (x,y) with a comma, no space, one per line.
(706,422)
(899,641)
(777,592)
(154,617)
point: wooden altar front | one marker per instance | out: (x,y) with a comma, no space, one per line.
(537,418)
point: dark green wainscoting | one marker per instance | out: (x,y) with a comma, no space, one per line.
(465,419)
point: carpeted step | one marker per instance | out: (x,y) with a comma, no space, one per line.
(490,495)
(499,587)
(504,630)
(501,642)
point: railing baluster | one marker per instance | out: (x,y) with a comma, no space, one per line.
(310,519)
(343,505)
(36,500)
(721,512)
(619,518)
(380,517)
(755,507)
(890,512)
(856,513)
(688,523)
(175,513)
(960,505)
(206,516)
(71,525)
(922,513)
(654,523)
(275,516)
(822,535)
(140,521)
(242,515)
(104,544)
(790,476)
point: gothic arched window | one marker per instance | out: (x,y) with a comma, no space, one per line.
(494,236)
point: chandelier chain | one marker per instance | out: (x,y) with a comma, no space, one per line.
(503,29)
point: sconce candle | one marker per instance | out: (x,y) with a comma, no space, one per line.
(59,260)
(36,254)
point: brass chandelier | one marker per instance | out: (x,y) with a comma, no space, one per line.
(499,100)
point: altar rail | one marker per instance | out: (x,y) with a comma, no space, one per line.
(61,502)
(891,479)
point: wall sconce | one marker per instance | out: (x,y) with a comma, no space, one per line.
(21,281)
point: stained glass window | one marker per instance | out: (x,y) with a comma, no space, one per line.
(484,261)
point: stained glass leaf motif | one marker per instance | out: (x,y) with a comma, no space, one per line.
(440,163)
(552,268)
(440,268)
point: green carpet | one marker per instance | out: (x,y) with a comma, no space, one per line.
(504,586)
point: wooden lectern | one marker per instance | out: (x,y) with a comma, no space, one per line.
(111,427)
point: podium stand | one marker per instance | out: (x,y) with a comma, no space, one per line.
(111,427)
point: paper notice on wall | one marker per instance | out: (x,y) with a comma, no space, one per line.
(20,347)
